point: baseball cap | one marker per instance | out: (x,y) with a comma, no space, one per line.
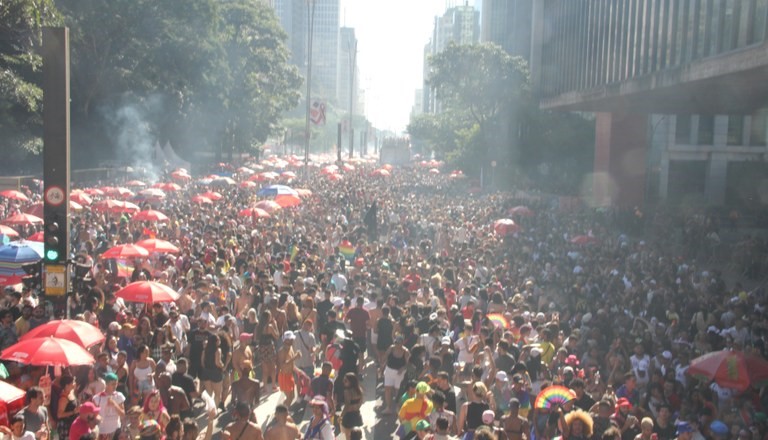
(502,376)
(89,408)
(110,377)
(719,427)
(488,416)
(289,336)
(683,427)
(446,340)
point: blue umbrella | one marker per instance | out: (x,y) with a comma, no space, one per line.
(16,254)
(277,190)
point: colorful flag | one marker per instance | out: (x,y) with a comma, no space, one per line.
(294,252)
(317,113)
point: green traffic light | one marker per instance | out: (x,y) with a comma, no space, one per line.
(52,255)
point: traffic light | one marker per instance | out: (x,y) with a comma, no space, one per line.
(55,239)
(34,275)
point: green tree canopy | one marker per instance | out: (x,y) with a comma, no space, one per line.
(21,95)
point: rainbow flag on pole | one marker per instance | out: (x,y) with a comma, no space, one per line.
(347,250)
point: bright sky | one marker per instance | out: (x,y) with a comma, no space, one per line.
(391,37)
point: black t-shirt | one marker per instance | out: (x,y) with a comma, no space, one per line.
(183,381)
(322,312)
(585,402)
(384,329)
(450,398)
(668,433)
(349,356)
(505,363)
(329,331)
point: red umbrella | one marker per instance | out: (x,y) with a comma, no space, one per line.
(79,332)
(261,177)
(147,292)
(125,251)
(731,369)
(38,236)
(150,215)
(15,195)
(381,172)
(157,245)
(506,226)
(115,206)
(288,175)
(48,351)
(181,175)
(167,187)
(253,212)
(23,219)
(334,177)
(80,197)
(287,200)
(247,184)
(583,239)
(10,280)
(269,206)
(434,171)
(120,192)
(136,183)
(94,192)
(8,231)
(520,211)
(9,393)
(213,195)
(201,200)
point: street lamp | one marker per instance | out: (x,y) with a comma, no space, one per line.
(310,31)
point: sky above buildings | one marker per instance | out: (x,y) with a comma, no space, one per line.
(391,38)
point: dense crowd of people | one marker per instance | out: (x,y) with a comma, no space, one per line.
(466,325)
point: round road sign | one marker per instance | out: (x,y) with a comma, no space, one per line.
(54,195)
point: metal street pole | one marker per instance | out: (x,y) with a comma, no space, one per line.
(352,46)
(310,31)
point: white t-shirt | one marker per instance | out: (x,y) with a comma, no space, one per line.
(110,418)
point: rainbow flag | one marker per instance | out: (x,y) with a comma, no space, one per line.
(124,268)
(347,250)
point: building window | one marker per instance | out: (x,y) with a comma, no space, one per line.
(758,127)
(706,129)
(683,130)
(735,130)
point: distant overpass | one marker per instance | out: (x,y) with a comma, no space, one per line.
(626,59)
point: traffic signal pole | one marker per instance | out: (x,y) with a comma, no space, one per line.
(56,162)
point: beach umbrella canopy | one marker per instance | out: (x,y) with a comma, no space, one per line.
(94,192)
(201,200)
(247,184)
(383,172)
(81,198)
(150,215)
(8,231)
(147,292)
(14,195)
(288,175)
(135,183)
(287,201)
(731,369)
(21,252)
(9,393)
(38,236)
(115,206)
(125,251)
(276,190)
(157,245)
(213,195)
(47,351)
(223,181)
(269,206)
(506,226)
(23,220)
(253,212)
(80,332)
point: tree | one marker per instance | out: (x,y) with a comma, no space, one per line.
(21,95)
